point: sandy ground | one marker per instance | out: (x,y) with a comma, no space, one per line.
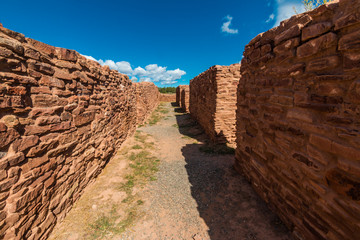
(196,195)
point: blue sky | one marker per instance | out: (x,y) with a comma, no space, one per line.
(167,42)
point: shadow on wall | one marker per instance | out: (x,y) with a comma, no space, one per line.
(226,202)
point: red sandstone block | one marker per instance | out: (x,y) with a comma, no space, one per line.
(292,32)
(44,100)
(324,63)
(17,90)
(320,142)
(12,44)
(4,52)
(314,46)
(40,90)
(315,30)
(84,118)
(8,137)
(42,47)
(25,143)
(51,82)
(352,167)
(66,54)
(15,78)
(346,151)
(300,114)
(46,111)
(2,127)
(347,20)
(350,41)
(63,74)
(41,121)
(40,67)
(284,49)
(351,60)
(31,53)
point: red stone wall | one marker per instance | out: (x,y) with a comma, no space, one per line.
(167,97)
(213,101)
(61,119)
(147,99)
(298,121)
(184,101)
(178,95)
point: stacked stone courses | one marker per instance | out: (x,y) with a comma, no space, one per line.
(184,99)
(298,120)
(167,97)
(178,93)
(213,101)
(147,99)
(62,117)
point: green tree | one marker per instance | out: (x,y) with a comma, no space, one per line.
(167,89)
(311,4)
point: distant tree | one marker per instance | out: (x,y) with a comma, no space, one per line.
(311,4)
(167,89)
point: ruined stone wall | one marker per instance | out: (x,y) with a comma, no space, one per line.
(178,95)
(298,121)
(147,99)
(61,119)
(167,97)
(184,101)
(213,101)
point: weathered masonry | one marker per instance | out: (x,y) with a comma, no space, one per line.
(62,116)
(179,90)
(298,120)
(184,104)
(213,101)
(167,97)
(147,98)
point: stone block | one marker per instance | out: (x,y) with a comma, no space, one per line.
(314,46)
(315,30)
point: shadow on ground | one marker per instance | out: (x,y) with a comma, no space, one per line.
(226,202)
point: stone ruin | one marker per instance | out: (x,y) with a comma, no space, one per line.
(62,117)
(167,97)
(294,112)
(147,98)
(182,97)
(213,101)
(298,121)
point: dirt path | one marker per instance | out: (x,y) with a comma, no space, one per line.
(194,195)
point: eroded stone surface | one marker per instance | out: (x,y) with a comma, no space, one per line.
(298,121)
(62,118)
(213,101)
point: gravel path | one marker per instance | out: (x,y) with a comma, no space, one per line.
(198,195)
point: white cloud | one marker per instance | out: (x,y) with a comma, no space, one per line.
(90,57)
(286,8)
(271,17)
(151,72)
(226,26)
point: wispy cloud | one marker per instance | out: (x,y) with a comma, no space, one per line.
(226,26)
(286,8)
(271,18)
(151,72)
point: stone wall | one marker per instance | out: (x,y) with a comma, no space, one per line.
(298,121)
(184,100)
(213,101)
(147,99)
(178,95)
(61,119)
(167,97)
